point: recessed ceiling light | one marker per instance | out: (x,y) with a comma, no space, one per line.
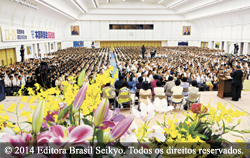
(108,1)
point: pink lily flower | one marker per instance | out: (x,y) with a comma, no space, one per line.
(62,137)
(101,112)
(24,140)
(121,128)
(80,96)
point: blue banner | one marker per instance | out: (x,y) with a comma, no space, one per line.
(78,43)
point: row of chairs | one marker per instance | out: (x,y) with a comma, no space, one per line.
(189,100)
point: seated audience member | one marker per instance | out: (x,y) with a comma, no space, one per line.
(153,83)
(139,85)
(159,90)
(144,91)
(193,90)
(185,86)
(177,90)
(124,91)
(111,90)
(119,83)
(169,86)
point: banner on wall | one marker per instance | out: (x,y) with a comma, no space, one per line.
(11,33)
(78,43)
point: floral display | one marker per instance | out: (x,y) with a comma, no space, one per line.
(79,120)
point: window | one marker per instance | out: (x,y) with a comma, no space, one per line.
(131,27)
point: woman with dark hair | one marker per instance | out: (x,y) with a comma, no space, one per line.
(177,90)
(153,83)
(144,91)
(159,90)
(124,91)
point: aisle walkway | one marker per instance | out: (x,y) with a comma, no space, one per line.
(113,63)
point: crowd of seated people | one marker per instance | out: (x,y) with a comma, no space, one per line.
(176,70)
(183,63)
(62,65)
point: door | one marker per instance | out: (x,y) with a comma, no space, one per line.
(59,46)
(3,57)
(11,56)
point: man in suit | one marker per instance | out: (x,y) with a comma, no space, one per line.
(143,50)
(237,76)
(22,53)
(187,32)
(118,84)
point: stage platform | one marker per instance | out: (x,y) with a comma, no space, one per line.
(242,105)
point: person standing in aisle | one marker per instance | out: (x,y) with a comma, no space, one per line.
(143,50)
(22,53)
(237,76)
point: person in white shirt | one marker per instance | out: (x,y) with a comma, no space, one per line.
(159,90)
(177,90)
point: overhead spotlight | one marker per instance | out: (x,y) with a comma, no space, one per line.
(124,0)
(94,3)
(108,1)
(159,1)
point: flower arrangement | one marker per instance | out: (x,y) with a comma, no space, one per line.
(80,118)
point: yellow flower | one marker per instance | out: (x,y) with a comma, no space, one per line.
(21,106)
(25,113)
(24,99)
(1,107)
(5,117)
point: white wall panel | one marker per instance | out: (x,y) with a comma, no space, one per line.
(104,29)
(95,30)
(158,29)
(166,29)
(86,29)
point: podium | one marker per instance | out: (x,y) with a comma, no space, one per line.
(225,87)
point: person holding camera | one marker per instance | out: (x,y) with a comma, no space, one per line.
(22,53)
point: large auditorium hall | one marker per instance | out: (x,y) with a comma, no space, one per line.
(125,78)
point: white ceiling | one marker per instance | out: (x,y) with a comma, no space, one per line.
(140,9)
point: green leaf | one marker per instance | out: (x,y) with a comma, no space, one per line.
(87,122)
(192,127)
(203,136)
(99,136)
(81,78)
(185,126)
(158,123)
(27,122)
(62,112)
(233,128)
(191,119)
(180,125)
(245,131)
(50,124)
(203,115)
(223,125)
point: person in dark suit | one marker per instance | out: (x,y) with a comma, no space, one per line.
(22,53)
(143,50)
(237,76)
(187,32)
(140,84)
(118,84)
